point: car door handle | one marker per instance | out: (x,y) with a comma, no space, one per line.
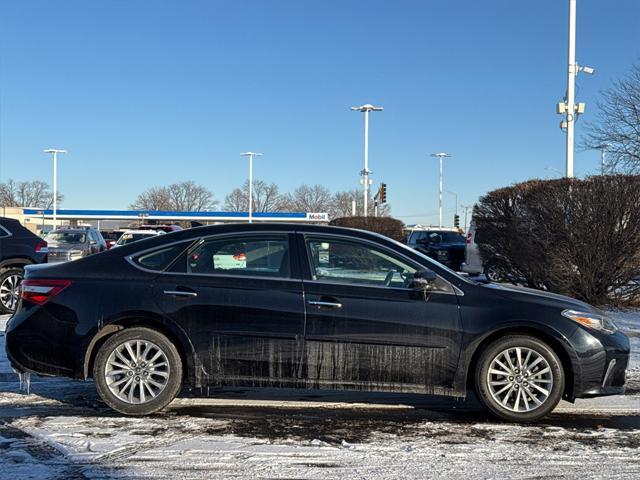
(321,303)
(180,293)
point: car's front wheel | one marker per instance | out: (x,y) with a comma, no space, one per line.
(519,378)
(137,371)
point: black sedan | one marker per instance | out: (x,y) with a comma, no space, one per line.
(307,307)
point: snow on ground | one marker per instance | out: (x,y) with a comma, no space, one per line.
(62,430)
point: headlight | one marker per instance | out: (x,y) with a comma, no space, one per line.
(591,320)
(76,253)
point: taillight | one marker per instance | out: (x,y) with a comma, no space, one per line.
(469,235)
(41,291)
(42,247)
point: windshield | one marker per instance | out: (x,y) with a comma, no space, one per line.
(66,237)
(133,237)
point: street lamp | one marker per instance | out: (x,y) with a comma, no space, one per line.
(365,173)
(250,155)
(441,156)
(55,182)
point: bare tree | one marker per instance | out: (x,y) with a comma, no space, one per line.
(35,194)
(307,198)
(266,198)
(182,196)
(342,205)
(617,128)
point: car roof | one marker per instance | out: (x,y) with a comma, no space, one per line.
(144,232)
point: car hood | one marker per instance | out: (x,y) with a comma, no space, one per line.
(530,295)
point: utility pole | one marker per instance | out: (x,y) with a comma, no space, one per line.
(441,156)
(365,173)
(250,155)
(55,153)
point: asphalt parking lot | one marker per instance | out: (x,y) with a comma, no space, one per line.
(60,429)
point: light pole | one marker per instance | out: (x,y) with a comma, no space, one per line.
(441,156)
(466,210)
(250,155)
(55,153)
(570,109)
(365,173)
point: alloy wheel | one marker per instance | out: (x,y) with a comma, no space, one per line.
(137,371)
(10,291)
(520,379)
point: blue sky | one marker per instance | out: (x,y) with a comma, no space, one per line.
(147,93)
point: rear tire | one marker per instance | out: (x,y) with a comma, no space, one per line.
(496,271)
(519,378)
(137,371)
(10,280)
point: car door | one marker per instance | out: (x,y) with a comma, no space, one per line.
(367,327)
(239,299)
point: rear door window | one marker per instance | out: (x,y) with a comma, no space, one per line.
(266,256)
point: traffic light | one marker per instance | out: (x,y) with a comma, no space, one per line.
(383,193)
(456,220)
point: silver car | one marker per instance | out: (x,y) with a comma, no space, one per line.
(495,268)
(72,244)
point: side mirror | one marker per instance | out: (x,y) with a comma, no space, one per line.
(423,280)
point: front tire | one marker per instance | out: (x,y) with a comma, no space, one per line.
(519,378)
(137,371)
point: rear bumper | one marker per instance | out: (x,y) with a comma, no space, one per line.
(37,342)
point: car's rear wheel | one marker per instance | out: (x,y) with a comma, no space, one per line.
(137,371)
(519,378)
(495,271)
(10,280)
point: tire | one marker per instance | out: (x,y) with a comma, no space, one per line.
(518,394)
(495,271)
(121,380)
(10,280)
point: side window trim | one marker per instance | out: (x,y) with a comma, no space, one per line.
(132,257)
(308,277)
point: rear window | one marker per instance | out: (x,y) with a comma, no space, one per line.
(160,259)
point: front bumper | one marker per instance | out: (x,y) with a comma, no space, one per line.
(603,361)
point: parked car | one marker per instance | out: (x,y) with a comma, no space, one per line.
(111,237)
(496,268)
(67,244)
(163,228)
(308,307)
(18,247)
(444,246)
(130,236)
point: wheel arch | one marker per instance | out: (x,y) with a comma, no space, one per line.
(175,334)
(15,262)
(553,339)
